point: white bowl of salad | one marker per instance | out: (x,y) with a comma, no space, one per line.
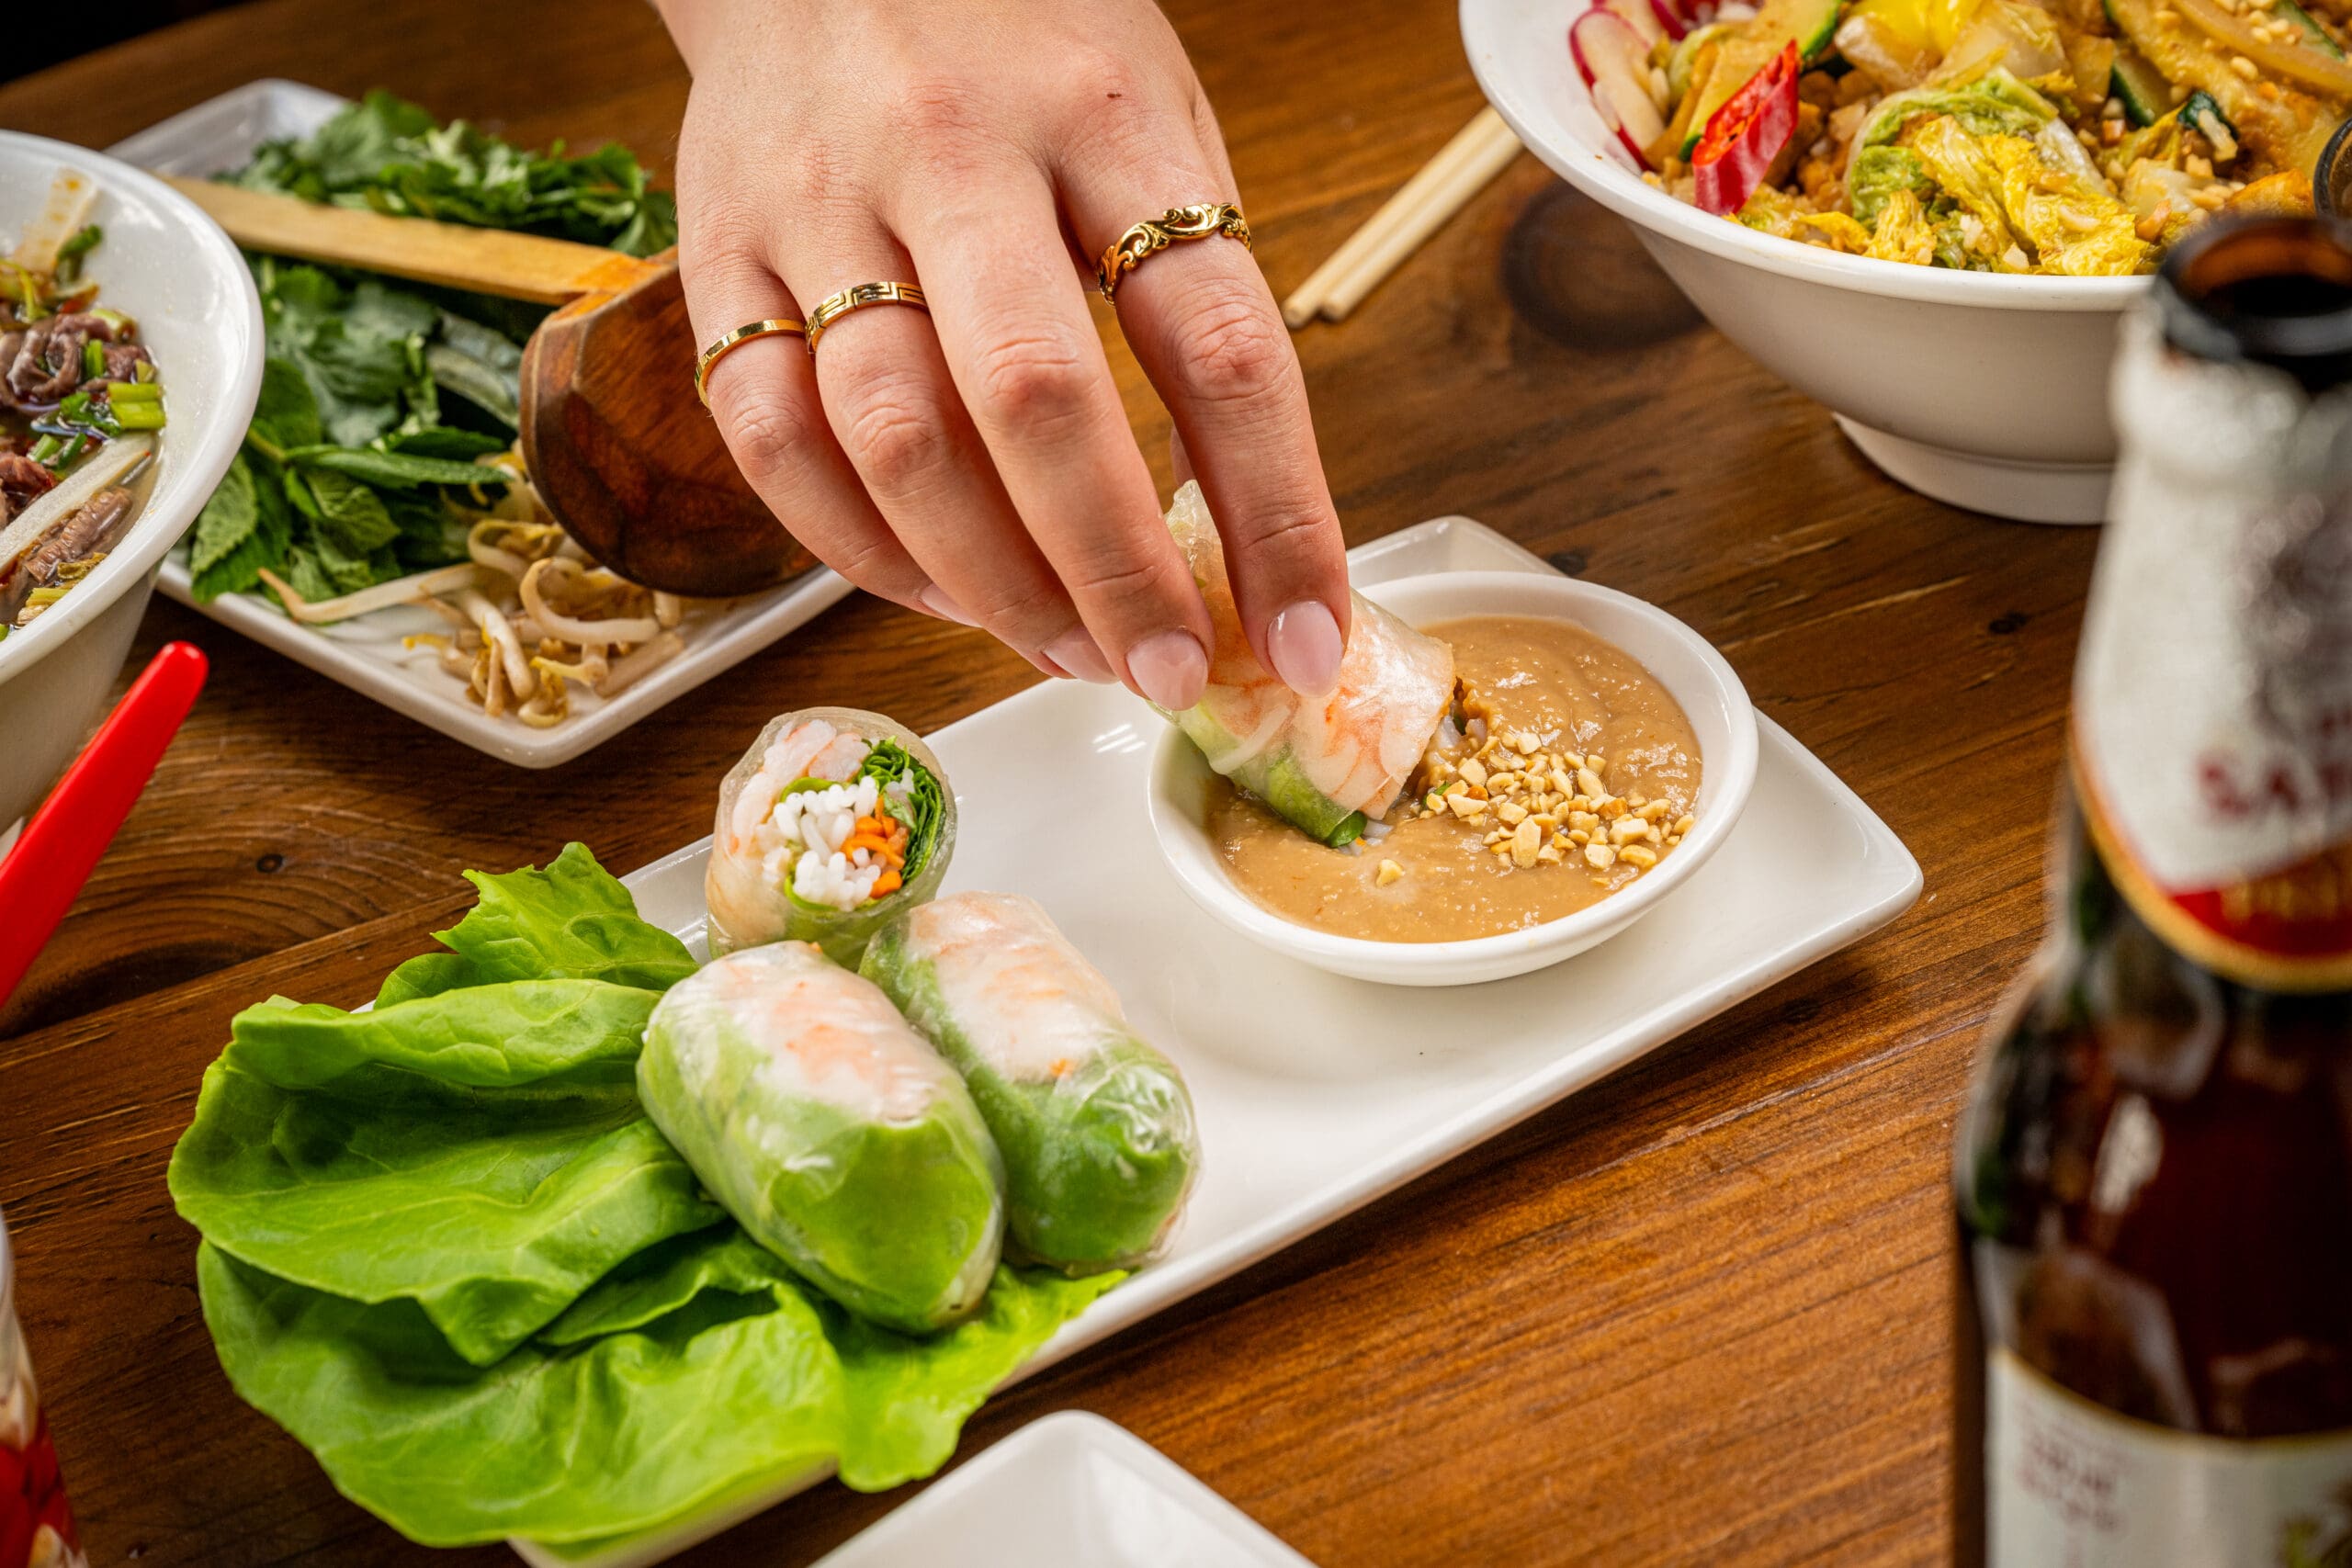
(130,356)
(1926,214)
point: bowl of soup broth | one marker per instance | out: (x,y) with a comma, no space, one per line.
(1597,752)
(131,357)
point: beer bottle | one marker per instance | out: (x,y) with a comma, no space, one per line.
(2153,1173)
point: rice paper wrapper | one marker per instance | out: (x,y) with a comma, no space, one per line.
(1100,1143)
(836,1136)
(1318,760)
(748,905)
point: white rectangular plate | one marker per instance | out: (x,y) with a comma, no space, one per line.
(364,654)
(1070,1490)
(1320,1094)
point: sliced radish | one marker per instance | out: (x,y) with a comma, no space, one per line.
(1639,15)
(1615,63)
(1670,19)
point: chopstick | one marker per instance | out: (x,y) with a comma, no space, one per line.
(1461,168)
(55,853)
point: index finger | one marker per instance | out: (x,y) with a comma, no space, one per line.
(1031,371)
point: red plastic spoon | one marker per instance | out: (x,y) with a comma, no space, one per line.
(39,878)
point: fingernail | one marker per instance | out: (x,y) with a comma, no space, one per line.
(1304,642)
(1075,652)
(936,601)
(1169,669)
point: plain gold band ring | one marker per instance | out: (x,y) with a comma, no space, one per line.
(736,339)
(1202,220)
(833,307)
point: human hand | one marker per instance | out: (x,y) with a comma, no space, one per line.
(975,463)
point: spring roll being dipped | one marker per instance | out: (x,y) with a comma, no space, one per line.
(833,821)
(1096,1127)
(833,1133)
(1329,763)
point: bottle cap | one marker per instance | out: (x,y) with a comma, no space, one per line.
(2268,291)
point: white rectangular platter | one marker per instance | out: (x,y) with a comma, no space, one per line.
(1320,1094)
(365,654)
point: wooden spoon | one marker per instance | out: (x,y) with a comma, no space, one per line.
(616,444)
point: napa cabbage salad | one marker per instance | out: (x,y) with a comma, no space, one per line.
(2070,138)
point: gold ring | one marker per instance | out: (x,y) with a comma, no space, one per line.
(741,335)
(1199,221)
(834,307)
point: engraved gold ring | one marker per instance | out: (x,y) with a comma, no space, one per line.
(1202,220)
(833,307)
(736,339)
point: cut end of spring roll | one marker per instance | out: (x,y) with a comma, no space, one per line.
(836,1136)
(831,823)
(1327,764)
(1096,1127)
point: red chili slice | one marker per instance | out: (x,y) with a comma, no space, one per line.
(1745,135)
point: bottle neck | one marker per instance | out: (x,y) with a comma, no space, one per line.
(2212,722)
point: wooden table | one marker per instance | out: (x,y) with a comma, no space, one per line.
(1696,1313)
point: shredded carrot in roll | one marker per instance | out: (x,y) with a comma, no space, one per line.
(889,881)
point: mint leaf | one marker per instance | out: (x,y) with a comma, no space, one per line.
(345,513)
(228,561)
(444,440)
(287,413)
(395,471)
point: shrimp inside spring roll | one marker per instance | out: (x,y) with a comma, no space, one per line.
(835,820)
(1326,763)
(1096,1126)
(836,1136)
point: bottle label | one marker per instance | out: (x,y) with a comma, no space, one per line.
(2070,1484)
(2214,691)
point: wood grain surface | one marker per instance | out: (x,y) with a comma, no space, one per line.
(1697,1312)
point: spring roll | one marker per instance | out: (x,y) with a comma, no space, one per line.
(1329,763)
(834,821)
(835,1135)
(1096,1127)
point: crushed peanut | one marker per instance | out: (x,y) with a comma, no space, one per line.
(1535,802)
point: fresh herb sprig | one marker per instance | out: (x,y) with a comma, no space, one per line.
(377,398)
(914,791)
(387,153)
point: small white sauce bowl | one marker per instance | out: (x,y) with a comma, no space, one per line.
(1681,660)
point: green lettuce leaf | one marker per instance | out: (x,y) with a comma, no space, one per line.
(575,919)
(479,1152)
(738,1377)
(426,975)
